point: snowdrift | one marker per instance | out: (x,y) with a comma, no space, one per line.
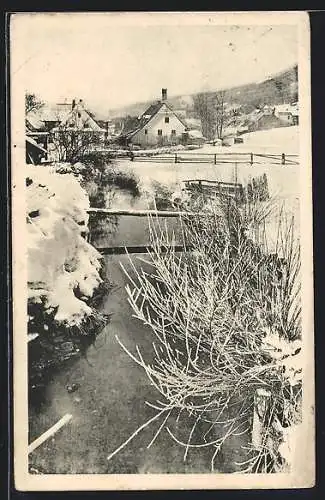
(63,269)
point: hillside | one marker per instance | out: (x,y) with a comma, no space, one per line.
(276,89)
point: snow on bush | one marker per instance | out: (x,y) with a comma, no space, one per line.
(63,269)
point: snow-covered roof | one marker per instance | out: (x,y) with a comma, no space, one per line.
(33,143)
(193,123)
(80,117)
(283,108)
(34,121)
(62,113)
(230,131)
(148,114)
(197,134)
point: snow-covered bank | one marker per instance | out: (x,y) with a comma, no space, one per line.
(63,269)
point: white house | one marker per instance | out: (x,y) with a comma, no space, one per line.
(78,118)
(158,125)
(284,113)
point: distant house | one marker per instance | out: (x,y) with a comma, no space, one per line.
(284,113)
(195,136)
(159,125)
(262,119)
(295,113)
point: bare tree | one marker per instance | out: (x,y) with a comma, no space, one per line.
(204,107)
(32,103)
(220,112)
(71,143)
(210,108)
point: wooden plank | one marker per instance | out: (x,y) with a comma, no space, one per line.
(141,249)
(142,213)
(215,183)
(273,156)
(32,336)
(52,430)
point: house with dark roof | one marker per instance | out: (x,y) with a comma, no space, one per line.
(262,119)
(157,126)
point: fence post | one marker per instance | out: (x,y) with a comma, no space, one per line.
(175,157)
(283,159)
(252,159)
(215,158)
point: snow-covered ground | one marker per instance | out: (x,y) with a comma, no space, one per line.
(60,261)
(281,140)
(283,180)
(275,140)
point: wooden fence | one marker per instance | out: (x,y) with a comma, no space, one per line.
(220,158)
(215,188)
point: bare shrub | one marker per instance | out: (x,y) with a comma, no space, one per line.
(225,318)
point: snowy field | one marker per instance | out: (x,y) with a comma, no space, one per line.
(283,180)
(275,140)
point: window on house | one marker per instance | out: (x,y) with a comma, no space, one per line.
(146,131)
(159,132)
(166,119)
(173,132)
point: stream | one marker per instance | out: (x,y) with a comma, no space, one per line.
(110,402)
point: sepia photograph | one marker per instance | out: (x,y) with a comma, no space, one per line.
(162,250)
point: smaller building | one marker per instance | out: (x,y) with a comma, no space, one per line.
(195,136)
(262,120)
(284,113)
(295,113)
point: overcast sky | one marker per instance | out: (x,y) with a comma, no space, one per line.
(109,64)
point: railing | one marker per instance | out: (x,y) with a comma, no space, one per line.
(220,158)
(215,188)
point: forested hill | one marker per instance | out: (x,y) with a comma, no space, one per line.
(277,89)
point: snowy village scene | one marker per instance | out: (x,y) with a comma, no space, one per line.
(163,311)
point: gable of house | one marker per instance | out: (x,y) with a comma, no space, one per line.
(78,117)
(158,119)
(159,123)
(266,121)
